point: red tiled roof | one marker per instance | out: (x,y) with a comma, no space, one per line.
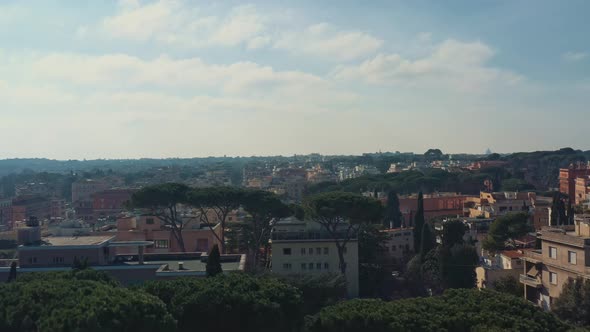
(512,254)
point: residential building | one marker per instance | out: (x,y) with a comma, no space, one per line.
(400,243)
(435,205)
(568,176)
(491,205)
(110,202)
(5,213)
(564,254)
(37,254)
(82,200)
(582,190)
(306,248)
(477,165)
(197,237)
(504,264)
(25,207)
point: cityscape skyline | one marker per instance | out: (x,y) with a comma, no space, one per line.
(158,79)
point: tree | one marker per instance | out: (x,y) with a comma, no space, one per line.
(393,215)
(453,232)
(458,266)
(371,242)
(433,153)
(558,210)
(220,201)
(509,285)
(162,201)
(509,226)
(213,267)
(50,303)
(12,273)
(419,223)
(341,214)
(318,291)
(456,310)
(264,208)
(232,302)
(428,239)
(573,305)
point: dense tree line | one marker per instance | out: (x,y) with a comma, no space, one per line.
(456,310)
(87,300)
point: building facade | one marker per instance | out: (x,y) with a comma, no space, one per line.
(568,176)
(304,248)
(563,254)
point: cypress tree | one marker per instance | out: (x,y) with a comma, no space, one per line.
(428,241)
(12,274)
(214,262)
(393,215)
(419,223)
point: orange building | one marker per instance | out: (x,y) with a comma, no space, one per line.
(582,190)
(568,176)
(197,237)
(435,205)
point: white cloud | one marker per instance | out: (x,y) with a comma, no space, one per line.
(574,56)
(326,41)
(450,64)
(242,25)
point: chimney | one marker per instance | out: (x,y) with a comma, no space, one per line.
(180,265)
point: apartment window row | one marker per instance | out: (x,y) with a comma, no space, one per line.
(318,266)
(318,251)
(161,244)
(58,260)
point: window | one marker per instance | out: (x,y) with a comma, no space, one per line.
(553,278)
(303,266)
(287,251)
(287,266)
(32,260)
(397,234)
(572,257)
(310,266)
(303,251)
(318,251)
(161,244)
(58,260)
(318,266)
(311,251)
(326,251)
(553,252)
(149,221)
(326,266)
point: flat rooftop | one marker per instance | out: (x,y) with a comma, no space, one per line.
(189,265)
(77,240)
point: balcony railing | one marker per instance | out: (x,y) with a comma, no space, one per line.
(530,281)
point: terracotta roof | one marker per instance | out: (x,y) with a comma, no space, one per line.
(512,254)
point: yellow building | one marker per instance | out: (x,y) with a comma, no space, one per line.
(304,248)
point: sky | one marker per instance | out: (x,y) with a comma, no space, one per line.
(138,78)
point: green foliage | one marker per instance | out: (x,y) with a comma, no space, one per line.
(371,242)
(318,291)
(428,239)
(573,305)
(85,274)
(393,215)
(213,267)
(458,266)
(347,207)
(509,285)
(509,226)
(73,304)
(160,196)
(419,223)
(453,232)
(12,273)
(235,302)
(516,185)
(456,310)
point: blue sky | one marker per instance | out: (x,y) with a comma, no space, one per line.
(128,79)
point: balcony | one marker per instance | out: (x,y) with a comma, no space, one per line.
(530,281)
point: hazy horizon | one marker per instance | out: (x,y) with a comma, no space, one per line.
(165,79)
